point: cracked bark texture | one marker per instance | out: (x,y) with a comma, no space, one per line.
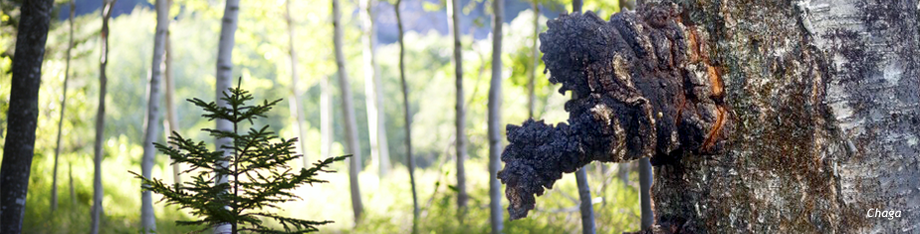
(819,98)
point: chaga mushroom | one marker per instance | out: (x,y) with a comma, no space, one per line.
(641,87)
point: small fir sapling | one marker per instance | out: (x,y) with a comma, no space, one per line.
(257,173)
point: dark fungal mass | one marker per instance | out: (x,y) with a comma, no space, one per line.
(642,86)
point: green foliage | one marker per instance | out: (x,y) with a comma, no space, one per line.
(256,172)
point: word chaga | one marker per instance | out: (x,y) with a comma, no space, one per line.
(642,86)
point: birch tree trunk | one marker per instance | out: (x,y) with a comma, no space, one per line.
(460,120)
(224,82)
(100,119)
(294,100)
(799,117)
(826,98)
(172,119)
(348,111)
(22,114)
(410,160)
(495,122)
(375,124)
(148,220)
(57,145)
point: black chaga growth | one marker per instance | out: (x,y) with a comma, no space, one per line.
(642,86)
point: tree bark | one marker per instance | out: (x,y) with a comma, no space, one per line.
(57,145)
(408,117)
(223,84)
(494,105)
(148,220)
(22,114)
(799,118)
(581,177)
(348,111)
(172,119)
(460,120)
(294,99)
(100,119)
(375,126)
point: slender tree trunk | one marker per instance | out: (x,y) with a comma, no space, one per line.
(224,82)
(73,195)
(57,146)
(172,119)
(348,111)
(535,55)
(148,220)
(586,205)
(460,120)
(294,100)
(581,176)
(623,172)
(408,117)
(645,186)
(325,117)
(495,103)
(379,156)
(100,120)
(22,114)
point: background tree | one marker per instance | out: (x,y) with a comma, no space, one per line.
(460,120)
(348,111)
(294,99)
(57,147)
(23,112)
(172,118)
(375,118)
(223,84)
(410,161)
(148,220)
(495,103)
(100,119)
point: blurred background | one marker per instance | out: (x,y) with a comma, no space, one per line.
(261,58)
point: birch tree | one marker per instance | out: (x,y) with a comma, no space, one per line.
(57,145)
(459,106)
(494,129)
(172,119)
(148,220)
(22,115)
(372,90)
(296,104)
(100,120)
(348,111)
(800,116)
(407,114)
(224,83)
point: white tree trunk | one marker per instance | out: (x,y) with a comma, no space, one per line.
(375,127)
(148,221)
(294,99)
(459,106)
(348,111)
(100,121)
(172,120)
(325,116)
(495,122)
(224,82)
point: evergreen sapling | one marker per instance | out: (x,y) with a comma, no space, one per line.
(258,173)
